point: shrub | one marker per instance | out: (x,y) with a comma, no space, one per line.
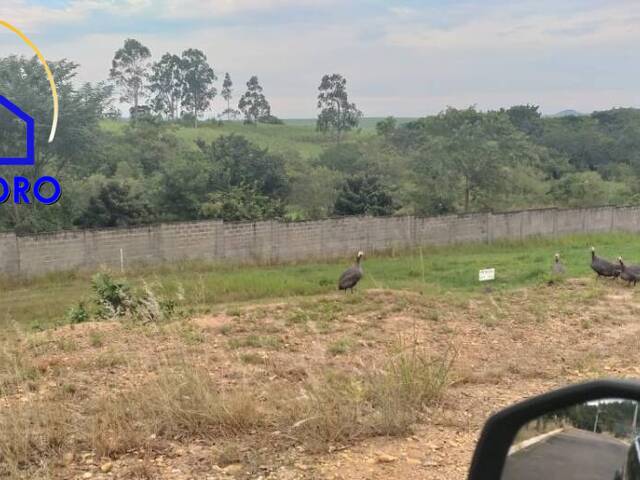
(113,298)
(77,313)
(117,299)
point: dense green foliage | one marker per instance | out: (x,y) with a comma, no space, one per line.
(162,168)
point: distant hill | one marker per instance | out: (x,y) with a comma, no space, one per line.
(566,113)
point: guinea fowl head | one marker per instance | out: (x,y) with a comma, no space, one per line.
(360,255)
(593,252)
(557,257)
(620,260)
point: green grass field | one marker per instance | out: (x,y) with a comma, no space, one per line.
(299,135)
(431,271)
(366,123)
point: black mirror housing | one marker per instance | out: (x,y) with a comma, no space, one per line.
(501,428)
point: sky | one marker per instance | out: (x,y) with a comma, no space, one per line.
(405,58)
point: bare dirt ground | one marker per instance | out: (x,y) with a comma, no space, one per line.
(507,346)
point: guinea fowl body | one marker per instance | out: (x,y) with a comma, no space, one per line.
(352,275)
(629,273)
(602,267)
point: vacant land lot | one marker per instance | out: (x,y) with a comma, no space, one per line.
(392,382)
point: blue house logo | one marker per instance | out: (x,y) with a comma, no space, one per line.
(30,157)
(22,189)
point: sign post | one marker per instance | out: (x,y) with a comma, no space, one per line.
(487,274)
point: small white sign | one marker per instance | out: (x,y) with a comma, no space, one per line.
(487,274)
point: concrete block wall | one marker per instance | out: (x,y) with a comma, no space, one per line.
(9,254)
(433,230)
(52,252)
(627,219)
(342,235)
(190,241)
(272,242)
(139,245)
(391,233)
(299,240)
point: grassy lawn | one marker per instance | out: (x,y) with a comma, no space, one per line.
(202,287)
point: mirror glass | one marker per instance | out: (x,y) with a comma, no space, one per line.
(595,440)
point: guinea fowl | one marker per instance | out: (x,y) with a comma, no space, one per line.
(629,273)
(558,267)
(602,267)
(352,275)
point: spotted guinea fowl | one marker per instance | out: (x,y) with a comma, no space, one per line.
(352,275)
(602,267)
(629,273)
(558,267)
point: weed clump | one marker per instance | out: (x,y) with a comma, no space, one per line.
(116,299)
(77,314)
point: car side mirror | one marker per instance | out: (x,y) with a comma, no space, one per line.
(586,431)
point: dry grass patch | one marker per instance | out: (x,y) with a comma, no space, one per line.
(31,435)
(16,368)
(341,408)
(340,347)
(270,342)
(180,403)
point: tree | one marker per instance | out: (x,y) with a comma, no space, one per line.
(469,152)
(242,203)
(586,189)
(247,182)
(236,162)
(363,195)
(336,113)
(253,103)
(113,203)
(82,106)
(313,190)
(227,94)
(582,140)
(129,71)
(166,85)
(198,91)
(76,149)
(385,128)
(346,158)
(526,118)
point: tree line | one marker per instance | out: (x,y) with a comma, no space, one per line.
(183,87)
(145,170)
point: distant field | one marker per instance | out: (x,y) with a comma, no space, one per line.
(297,135)
(367,123)
(432,271)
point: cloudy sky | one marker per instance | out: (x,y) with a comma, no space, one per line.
(401,57)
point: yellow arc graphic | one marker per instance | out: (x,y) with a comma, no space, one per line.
(54,92)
